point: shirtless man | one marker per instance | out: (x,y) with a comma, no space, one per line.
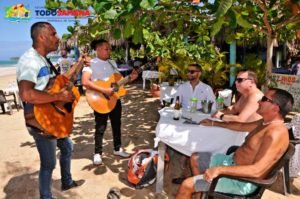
(244,110)
(265,144)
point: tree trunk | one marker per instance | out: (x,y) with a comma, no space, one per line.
(269,63)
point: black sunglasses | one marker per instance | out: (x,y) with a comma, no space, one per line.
(192,71)
(266,99)
(240,80)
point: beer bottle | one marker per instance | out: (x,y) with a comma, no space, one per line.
(177,109)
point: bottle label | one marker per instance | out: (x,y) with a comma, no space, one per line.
(176,114)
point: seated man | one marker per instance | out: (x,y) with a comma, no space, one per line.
(244,110)
(195,88)
(267,141)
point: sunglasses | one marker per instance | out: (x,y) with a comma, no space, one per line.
(240,80)
(192,71)
(266,99)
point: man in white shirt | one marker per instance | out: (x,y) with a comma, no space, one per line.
(102,67)
(195,88)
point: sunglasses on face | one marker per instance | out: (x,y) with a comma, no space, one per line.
(192,71)
(240,80)
(266,99)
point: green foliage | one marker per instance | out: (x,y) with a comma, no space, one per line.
(224,6)
(178,53)
(254,63)
(118,54)
(181,32)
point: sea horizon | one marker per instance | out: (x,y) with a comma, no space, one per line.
(8,63)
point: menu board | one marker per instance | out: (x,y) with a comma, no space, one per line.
(290,83)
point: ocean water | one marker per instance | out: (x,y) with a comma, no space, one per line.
(6,64)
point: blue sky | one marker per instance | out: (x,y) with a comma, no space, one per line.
(15,36)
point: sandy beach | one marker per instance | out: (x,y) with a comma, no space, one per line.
(19,164)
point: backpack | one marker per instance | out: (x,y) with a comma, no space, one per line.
(142,167)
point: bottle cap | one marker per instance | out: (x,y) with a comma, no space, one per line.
(194,99)
(221,100)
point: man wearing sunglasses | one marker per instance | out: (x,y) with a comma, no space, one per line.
(195,88)
(267,141)
(244,110)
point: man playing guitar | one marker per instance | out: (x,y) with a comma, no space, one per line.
(33,75)
(102,68)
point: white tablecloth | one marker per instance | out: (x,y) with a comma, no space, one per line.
(168,92)
(189,138)
(149,74)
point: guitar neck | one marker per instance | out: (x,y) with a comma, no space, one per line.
(127,78)
(73,72)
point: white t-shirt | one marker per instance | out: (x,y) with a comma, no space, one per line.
(202,92)
(34,68)
(100,69)
(64,64)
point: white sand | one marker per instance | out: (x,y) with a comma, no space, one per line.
(7,71)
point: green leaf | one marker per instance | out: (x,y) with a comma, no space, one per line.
(138,35)
(102,7)
(110,14)
(70,29)
(147,4)
(223,7)
(242,22)
(117,34)
(206,38)
(217,26)
(128,29)
(66,36)
(232,19)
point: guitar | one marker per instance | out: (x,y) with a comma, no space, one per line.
(105,104)
(56,118)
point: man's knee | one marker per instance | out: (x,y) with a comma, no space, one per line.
(188,185)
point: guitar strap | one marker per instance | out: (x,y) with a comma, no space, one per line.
(113,66)
(52,68)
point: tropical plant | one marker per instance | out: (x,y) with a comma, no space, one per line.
(254,63)
(272,20)
(187,22)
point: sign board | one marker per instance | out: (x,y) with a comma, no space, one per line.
(290,83)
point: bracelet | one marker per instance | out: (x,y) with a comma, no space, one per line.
(221,116)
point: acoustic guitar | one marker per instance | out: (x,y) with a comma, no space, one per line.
(105,104)
(56,119)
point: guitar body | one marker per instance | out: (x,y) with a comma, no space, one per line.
(57,118)
(101,103)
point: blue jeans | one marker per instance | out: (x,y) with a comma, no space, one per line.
(47,151)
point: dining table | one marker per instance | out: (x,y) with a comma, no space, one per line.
(187,136)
